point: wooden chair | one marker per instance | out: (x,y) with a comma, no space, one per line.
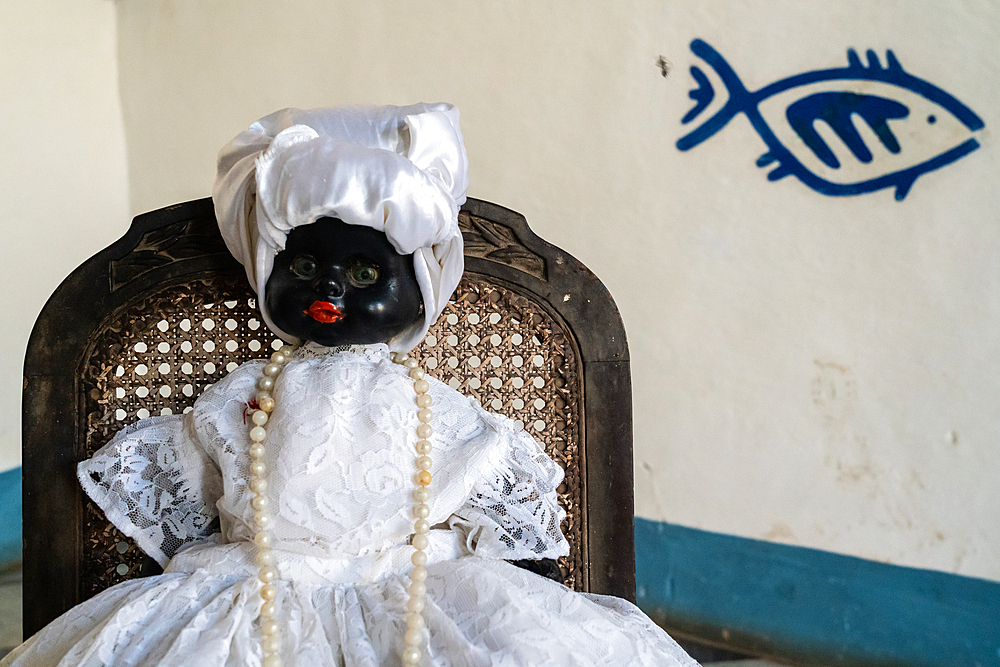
(143,326)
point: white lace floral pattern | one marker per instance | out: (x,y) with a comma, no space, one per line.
(341,446)
(340,443)
(155,483)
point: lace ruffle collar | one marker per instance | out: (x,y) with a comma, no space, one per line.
(311,350)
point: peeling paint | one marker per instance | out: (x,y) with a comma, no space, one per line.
(834,393)
(654,490)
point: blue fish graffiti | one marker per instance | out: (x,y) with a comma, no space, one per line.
(906,128)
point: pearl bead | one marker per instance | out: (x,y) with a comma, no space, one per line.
(415,621)
(271,641)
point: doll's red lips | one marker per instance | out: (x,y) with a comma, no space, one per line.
(324,311)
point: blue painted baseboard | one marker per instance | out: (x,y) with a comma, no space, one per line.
(812,607)
(10,517)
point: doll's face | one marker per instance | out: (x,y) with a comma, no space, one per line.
(340,284)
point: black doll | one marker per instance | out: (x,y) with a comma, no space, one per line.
(337,284)
(369,514)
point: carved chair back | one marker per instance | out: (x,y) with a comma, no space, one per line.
(145,325)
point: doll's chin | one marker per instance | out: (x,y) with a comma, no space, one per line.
(344,340)
(331,335)
(357,330)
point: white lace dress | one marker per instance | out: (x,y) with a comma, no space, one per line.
(340,448)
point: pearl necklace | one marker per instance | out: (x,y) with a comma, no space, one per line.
(269,628)
(414,636)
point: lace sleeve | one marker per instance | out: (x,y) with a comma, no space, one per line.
(513,511)
(156,483)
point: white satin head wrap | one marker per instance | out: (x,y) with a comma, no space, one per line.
(400,170)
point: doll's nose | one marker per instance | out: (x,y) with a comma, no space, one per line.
(329,285)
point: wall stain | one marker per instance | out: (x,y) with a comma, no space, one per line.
(915,479)
(779,531)
(857,467)
(960,555)
(834,392)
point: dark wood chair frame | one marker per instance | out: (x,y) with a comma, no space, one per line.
(183,241)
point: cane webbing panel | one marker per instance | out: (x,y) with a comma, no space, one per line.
(160,353)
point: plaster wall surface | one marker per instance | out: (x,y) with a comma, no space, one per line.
(813,370)
(63,177)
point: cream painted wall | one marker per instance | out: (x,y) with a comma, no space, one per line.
(63,177)
(813,370)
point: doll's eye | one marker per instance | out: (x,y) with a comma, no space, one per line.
(304,266)
(363,275)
